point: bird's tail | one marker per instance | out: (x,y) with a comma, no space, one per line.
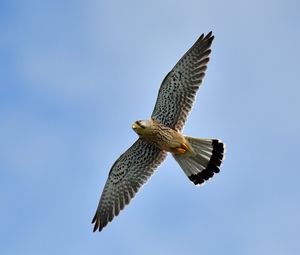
(203,161)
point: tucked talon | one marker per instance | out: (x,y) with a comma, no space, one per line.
(180,150)
(184,146)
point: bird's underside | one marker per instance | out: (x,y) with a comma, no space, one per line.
(165,138)
(199,158)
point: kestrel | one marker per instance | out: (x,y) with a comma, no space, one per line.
(199,158)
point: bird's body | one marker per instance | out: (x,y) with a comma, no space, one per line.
(199,158)
(165,138)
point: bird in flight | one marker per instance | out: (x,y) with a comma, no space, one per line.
(199,158)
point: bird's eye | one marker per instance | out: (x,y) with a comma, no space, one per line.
(142,125)
(139,123)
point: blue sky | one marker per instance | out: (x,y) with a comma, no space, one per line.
(74,75)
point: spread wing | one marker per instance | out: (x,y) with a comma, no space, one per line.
(178,90)
(132,169)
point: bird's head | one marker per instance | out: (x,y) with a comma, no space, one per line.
(142,127)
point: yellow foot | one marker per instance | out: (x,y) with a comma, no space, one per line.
(181,150)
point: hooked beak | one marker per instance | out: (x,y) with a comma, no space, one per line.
(136,125)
